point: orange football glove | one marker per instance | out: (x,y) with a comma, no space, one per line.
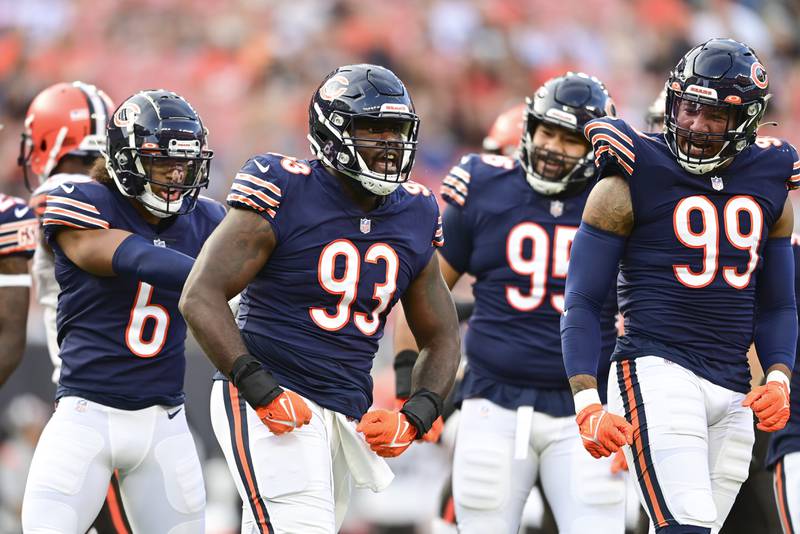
(619,463)
(603,433)
(388,432)
(432,435)
(285,413)
(771,405)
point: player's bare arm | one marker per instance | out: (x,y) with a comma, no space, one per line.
(431,315)
(92,250)
(229,260)
(608,208)
(13,316)
(403,338)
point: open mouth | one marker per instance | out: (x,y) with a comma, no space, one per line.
(388,163)
(170,195)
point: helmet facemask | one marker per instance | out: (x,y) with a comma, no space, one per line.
(551,172)
(378,150)
(726,130)
(168,181)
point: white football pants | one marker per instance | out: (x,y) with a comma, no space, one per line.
(498,457)
(693,441)
(160,478)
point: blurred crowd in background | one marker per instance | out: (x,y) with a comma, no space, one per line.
(250,66)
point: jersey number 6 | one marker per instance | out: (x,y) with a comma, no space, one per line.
(143,310)
(346,285)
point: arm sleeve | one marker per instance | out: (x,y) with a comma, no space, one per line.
(776,310)
(592,269)
(158,266)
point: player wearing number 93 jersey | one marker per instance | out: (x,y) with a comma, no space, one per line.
(698,220)
(322,250)
(124,244)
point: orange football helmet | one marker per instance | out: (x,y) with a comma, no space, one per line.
(504,136)
(64,119)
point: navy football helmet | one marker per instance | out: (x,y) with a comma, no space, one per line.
(364,98)
(569,101)
(722,79)
(153,130)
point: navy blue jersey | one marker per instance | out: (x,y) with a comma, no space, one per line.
(315,312)
(787,440)
(122,340)
(689,270)
(516,243)
(18,227)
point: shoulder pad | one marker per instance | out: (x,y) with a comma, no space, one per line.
(471,169)
(262,182)
(18,226)
(613,142)
(431,208)
(214,208)
(77,205)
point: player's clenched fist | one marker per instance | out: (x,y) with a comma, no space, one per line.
(388,432)
(603,433)
(285,413)
(770,403)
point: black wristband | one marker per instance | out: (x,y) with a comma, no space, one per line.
(403,365)
(422,409)
(254,383)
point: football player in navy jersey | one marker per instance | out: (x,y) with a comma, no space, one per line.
(321,250)
(65,132)
(698,222)
(123,245)
(18,231)
(510,223)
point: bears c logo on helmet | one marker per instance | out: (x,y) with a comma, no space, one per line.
(759,75)
(126,115)
(334,88)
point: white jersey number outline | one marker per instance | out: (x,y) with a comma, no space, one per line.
(708,237)
(347,285)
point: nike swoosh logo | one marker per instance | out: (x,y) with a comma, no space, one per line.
(69,188)
(260,166)
(173,414)
(19,212)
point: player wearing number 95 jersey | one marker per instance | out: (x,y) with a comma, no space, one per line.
(510,223)
(321,250)
(698,220)
(123,246)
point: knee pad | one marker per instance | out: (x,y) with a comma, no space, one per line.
(47,516)
(183,476)
(481,476)
(733,463)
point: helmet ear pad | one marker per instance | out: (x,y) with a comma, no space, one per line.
(147,131)
(567,102)
(720,74)
(347,101)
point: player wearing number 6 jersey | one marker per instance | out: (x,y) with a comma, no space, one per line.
(698,220)
(123,246)
(322,250)
(510,223)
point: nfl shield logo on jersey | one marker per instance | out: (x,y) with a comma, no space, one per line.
(159,243)
(556,208)
(366,225)
(716,183)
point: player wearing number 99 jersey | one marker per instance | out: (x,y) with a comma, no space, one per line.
(698,220)
(123,246)
(322,250)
